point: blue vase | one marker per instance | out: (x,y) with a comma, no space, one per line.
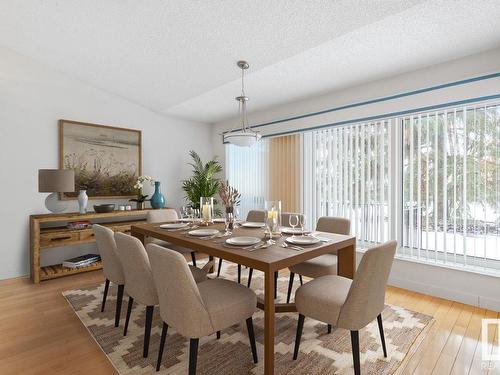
(157,199)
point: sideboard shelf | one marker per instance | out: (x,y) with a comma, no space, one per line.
(48,231)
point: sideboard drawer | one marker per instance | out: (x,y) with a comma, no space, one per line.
(53,239)
(87,235)
(124,228)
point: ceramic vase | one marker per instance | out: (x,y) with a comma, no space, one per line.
(83,200)
(157,199)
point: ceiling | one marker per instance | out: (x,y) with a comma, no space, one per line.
(178,57)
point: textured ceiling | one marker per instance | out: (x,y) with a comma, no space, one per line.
(178,57)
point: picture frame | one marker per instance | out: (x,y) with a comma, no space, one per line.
(107,159)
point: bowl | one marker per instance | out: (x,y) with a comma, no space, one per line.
(104,208)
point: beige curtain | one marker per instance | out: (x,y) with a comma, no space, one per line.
(284,171)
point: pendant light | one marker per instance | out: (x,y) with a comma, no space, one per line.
(245,137)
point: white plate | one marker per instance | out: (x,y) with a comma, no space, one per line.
(203,232)
(288,230)
(302,240)
(174,225)
(219,220)
(251,224)
(242,241)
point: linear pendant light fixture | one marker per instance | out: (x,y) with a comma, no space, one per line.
(245,137)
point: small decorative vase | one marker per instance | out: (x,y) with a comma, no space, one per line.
(229,218)
(83,200)
(157,199)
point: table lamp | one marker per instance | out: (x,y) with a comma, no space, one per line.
(55,181)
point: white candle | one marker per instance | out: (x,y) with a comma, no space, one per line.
(207,212)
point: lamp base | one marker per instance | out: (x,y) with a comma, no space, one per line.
(55,205)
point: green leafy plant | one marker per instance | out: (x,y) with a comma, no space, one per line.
(204,182)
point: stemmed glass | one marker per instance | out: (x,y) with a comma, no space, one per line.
(189,213)
(302,223)
(293,220)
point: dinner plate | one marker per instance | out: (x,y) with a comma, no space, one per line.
(302,240)
(242,241)
(203,232)
(288,230)
(251,224)
(173,225)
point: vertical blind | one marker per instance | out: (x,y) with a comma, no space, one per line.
(347,174)
(246,170)
(430,180)
(451,201)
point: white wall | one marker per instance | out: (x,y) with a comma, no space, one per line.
(33,98)
(457,285)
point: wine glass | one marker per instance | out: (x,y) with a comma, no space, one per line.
(302,219)
(189,213)
(293,220)
(184,214)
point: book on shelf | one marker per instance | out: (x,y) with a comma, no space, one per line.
(82,261)
(81,224)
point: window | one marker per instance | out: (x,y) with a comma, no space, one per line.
(430,180)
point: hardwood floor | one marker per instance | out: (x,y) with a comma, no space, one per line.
(39,333)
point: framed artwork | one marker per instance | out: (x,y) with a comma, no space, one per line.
(107,160)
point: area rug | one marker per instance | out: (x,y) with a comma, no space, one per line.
(320,352)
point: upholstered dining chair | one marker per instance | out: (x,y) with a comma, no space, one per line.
(139,284)
(161,216)
(254,216)
(346,303)
(201,309)
(324,264)
(111,266)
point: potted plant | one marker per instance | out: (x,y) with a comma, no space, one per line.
(203,182)
(139,185)
(230,198)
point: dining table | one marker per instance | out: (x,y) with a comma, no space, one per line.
(269,258)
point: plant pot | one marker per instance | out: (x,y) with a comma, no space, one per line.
(140,205)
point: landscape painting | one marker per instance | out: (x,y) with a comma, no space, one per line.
(106,159)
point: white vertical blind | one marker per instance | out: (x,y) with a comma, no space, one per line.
(450,183)
(246,170)
(347,175)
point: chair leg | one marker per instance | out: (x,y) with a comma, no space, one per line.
(162,345)
(276,285)
(220,267)
(250,273)
(251,336)
(119,299)
(300,326)
(218,335)
(290,285)
(355,352)
(193,258)
(300,278)
(147,330)
(329,328)
(129,311)
(193,355)
(239,273)
(105,295)
(381,330)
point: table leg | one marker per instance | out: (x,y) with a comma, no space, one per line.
(269,323)
(347,261)
(210,259)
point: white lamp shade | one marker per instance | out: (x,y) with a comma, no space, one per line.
(242,139)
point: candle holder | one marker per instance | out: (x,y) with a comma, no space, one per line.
(207,210)
(273,218)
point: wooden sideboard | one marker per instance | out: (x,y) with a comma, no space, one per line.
(48,231)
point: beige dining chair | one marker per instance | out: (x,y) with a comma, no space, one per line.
(111,266)
(166,215)
(349,304)
(324,264)
(201,309)
(254,216)
(139,284)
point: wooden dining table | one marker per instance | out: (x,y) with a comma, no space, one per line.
(268,260)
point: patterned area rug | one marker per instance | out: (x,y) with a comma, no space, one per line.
(320,353)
